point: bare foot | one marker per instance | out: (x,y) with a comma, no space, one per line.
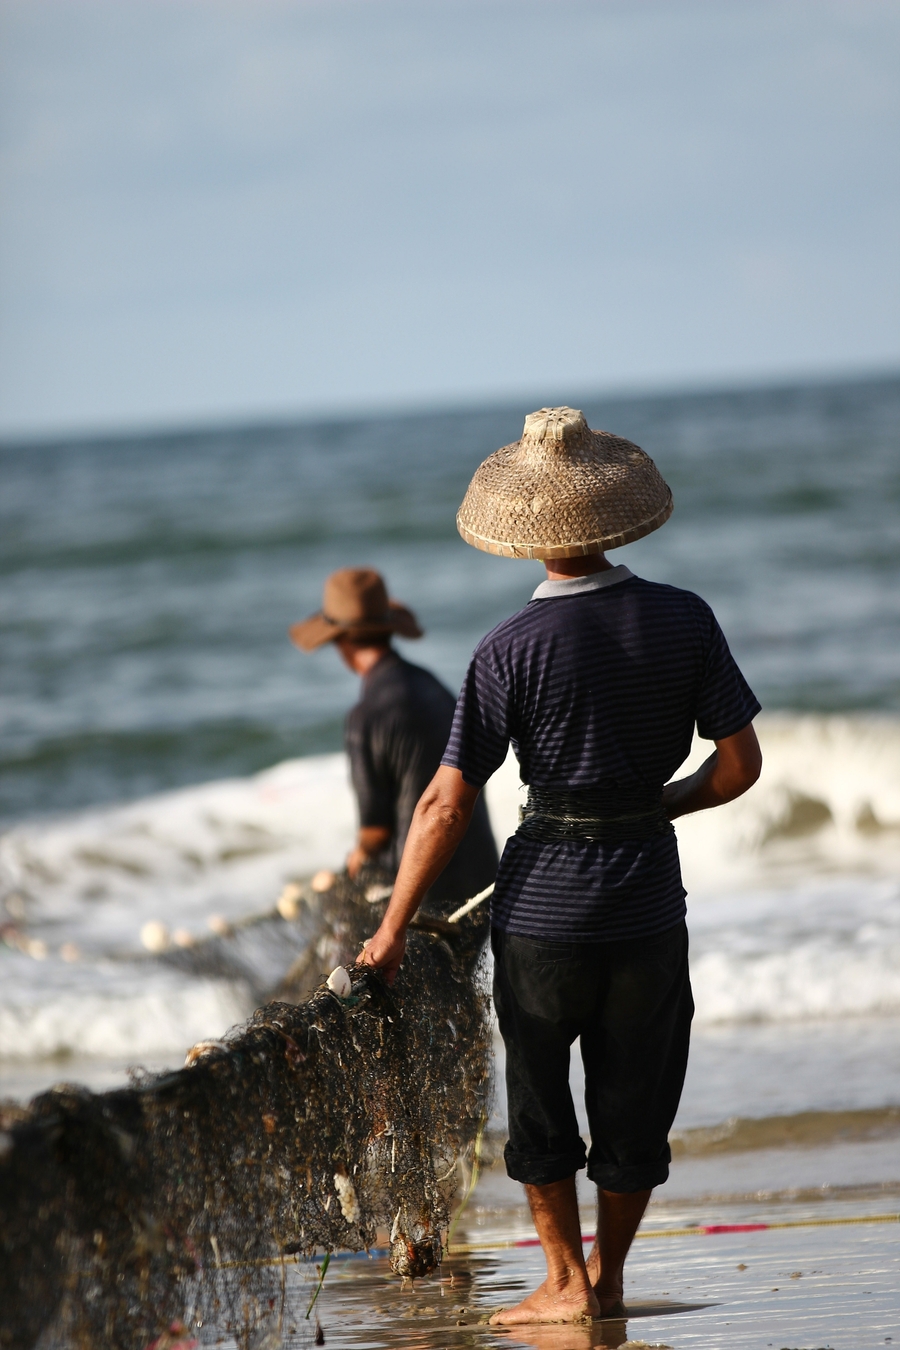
(608,1293)
(575,1302)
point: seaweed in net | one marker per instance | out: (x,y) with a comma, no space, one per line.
(308,1129)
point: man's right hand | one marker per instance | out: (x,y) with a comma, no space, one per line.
(439,822)
(384,952)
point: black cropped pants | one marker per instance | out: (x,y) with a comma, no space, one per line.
(631,1004)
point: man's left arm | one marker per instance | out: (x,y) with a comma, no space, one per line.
(724,699)
(438,825)
(732,768)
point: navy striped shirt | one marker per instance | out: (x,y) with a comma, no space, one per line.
(597,682)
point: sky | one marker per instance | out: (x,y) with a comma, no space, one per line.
(221,211)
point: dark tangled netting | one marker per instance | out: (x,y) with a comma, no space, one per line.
(177,1199)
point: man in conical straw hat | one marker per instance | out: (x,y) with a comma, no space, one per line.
(598,684)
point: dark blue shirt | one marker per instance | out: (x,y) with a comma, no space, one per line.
(598,682)
(395,736)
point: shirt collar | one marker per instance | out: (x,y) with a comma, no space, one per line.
(597,581)
(383,664)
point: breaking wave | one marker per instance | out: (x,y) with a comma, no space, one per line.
(155,1017)
(794,890)
(806,1129)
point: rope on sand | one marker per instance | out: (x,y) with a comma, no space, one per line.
(697,1230)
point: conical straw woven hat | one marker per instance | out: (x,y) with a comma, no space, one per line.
(563,491)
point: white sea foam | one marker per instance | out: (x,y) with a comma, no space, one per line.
(152,1018)
(794,909)
(225,847)
(92,880)
(821,950)
(828,803)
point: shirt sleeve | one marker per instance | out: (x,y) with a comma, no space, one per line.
(726,703)
(479,737)
(371,776)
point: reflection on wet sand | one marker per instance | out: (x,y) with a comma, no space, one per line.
(366,1306)
(605,1335)
(605,1332)
(810,1286)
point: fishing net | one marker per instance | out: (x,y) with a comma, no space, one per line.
(320,1125)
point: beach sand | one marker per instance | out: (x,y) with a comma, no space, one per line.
(834,1283)
(830,1277)
(808,1267)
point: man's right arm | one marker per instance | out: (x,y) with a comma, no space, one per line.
(439,823)
(731,769)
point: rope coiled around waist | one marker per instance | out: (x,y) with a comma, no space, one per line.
(597,814)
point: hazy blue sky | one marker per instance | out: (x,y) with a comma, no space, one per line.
(217,210)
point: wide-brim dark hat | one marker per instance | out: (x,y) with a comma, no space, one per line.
(355,604)
(563,491)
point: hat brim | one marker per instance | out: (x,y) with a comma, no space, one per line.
(503,548)
(318,629)
(537,500)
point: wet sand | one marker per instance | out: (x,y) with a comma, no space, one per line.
(834,1285)
(795,1127)
(824,1281)
(832,1282)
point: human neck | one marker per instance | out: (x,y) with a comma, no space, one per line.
(363,660)
(560,569)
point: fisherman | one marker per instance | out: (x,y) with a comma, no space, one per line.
(598,684)
(395,735)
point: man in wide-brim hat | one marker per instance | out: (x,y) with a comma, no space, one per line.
(396,734)
(598,683)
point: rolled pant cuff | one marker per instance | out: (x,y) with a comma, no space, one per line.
(626,1180)
(535,1170)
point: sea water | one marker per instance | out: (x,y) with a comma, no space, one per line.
(169,757)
